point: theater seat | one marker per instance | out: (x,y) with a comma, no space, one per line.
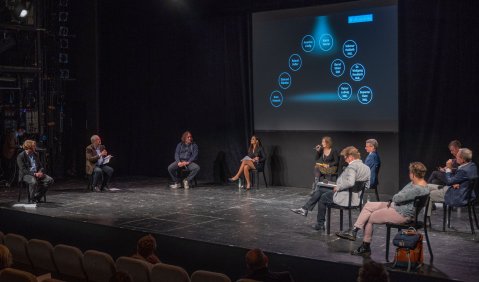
(17,244)
(15,275)
(98,266)
(167,272)
(139,270)
(69,261)
(208,276)
(40,253)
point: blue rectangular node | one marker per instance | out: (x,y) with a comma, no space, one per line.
(360,18)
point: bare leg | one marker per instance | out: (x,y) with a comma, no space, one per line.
(247,176)
(241,169)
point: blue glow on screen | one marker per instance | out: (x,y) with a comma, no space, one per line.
(360,18)
(315,97)
(322,27)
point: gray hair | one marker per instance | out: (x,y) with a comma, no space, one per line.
(465,154)
(373,142)
(93,138)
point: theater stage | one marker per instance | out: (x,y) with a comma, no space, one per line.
(211,226)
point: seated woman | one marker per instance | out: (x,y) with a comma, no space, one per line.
(327,161)
(254,160)
(145,250)
(398,210)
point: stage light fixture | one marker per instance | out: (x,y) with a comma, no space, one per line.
(20,10)
(63,58)
(64,43)
(63,16)
(63,31)
(64,73)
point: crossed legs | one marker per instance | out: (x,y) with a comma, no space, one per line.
(244,169)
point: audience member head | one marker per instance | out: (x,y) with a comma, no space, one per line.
(121,276)
(95,140)
(29,145)
(187,137)
(371,145)
(327,142)
(146,246)
(256,259)
(454,147)
(350,154)
(372,271)
(5,257)
(417,170)
(464,155)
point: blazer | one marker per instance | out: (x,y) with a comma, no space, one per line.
(24,164)
(374,163)
(355,171)
(261,155)
(91,158)
(458,197)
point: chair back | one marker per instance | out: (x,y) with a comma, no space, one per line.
(98,266)
(473,190)
(139,270)
(41,255)
(15,275)
(17,244)
(359,187)
(69,261)
(169,273)
(420,202)
(208,276)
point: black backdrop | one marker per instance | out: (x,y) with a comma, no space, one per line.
(168,66)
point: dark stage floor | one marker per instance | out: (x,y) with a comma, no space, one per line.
(229,216)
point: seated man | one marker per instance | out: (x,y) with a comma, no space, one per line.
(455,193)
(185,154)
(355,171)
(96,164)
(30,171)
(372,160)
(257,267)
(438,177)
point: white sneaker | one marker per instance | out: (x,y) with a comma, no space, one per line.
(186,184)
(175,186)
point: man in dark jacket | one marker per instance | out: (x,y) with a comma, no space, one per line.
(257,267)
(30,171)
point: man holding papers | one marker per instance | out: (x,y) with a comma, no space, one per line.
(97,159)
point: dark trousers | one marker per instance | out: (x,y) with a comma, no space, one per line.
(192,168)
(103,173)
(437,177)
(317,194)
(327,198)
(37,187)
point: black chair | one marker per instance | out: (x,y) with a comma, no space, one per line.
(472,187)
(375,187)
(89,186)
(254,175)
(420,203)
(358,187)
(22,185)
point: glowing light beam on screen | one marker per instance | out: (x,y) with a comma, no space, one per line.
(321,28)
(316,97)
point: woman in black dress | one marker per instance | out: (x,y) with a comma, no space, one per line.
(254,160)
(327,160)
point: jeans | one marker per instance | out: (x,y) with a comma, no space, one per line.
(193,169)
(34,189)
(104,173)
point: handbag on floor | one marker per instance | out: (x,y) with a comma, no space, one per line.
(409,249)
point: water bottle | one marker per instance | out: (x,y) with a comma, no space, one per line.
(367,199)
(239,183)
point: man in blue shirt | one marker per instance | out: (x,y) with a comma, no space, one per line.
(31,171)
(185,154)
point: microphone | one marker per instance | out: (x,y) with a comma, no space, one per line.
(317,147)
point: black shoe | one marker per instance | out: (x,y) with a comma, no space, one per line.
(319,227)
(349,235)
(363,250)
(231,180)
(300,211)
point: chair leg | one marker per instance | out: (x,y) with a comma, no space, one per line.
(257,179)
(328,226)
(377,193)
(475,216)
(388,236)
(265,182)
(429,246)
(449,212)
(20,192)
(444,207)
(340,220)
(350,223)
(470,219)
